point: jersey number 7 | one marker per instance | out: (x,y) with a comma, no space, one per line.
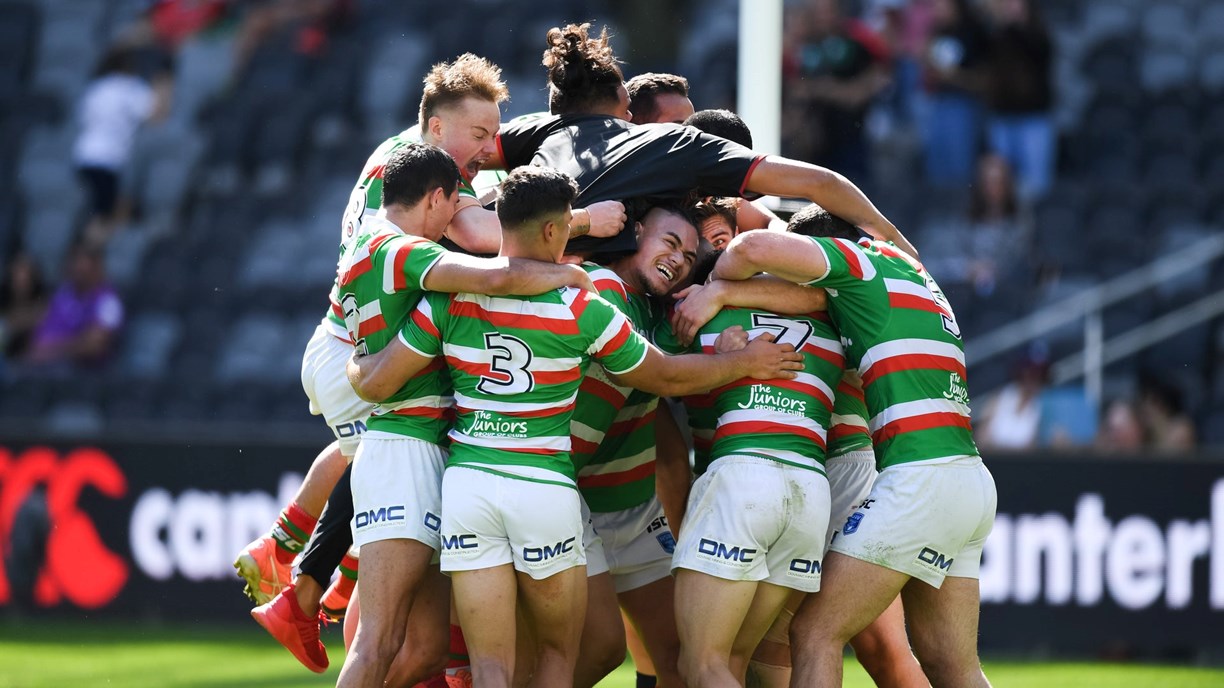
(793,332)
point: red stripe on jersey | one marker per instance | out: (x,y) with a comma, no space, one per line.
(619,478)
(522,321)
(616,342)
(425,323)
(375,172)
(371,325)
(849,390)
(401,257)
(627,426)
(926,421)
(609,284)
(748,174)
(426,412)
(913,302)
(581,446)
(335,307)
(852,259)
(894,364)
(555,377)
(758,427)
(476,369)
(603,390)
(700,401)
(831,356)
(579,305)
(356,270)
(843,430)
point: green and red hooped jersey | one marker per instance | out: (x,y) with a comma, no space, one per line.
(902,336)
(516,364)
(782,420)
(848,429)
(380,279)
(364,203)
(613,426)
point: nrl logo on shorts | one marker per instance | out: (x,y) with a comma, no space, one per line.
(667,541)
(852,523)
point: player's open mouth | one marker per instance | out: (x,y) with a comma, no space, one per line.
(666,272)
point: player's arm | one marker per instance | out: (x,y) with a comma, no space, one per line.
(780,176)
(757,215)
(673,477)
(474,228)
(457,272)
(785,255)
(678,376)
(603,219)
(699,303)
(375,377)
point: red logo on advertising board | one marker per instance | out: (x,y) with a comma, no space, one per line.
(78,566)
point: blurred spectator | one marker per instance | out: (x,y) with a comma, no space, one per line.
(23,299)
(1167,428)
(952,71)
(832,69)
(1121,430)
(112,108)
(1012,418)
(172,22)
(84,317)
(1021,94)
(905,28)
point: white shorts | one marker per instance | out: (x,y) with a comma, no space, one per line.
(928,521)
(592,543)
(637,543)
(489,520)
(329,391)
(753,519)
(850,478)
(397,489)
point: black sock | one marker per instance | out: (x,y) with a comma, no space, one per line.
(646,680)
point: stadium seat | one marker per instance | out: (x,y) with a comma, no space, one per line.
(1165,66)
(149,341)
(1167,21)
(386,91)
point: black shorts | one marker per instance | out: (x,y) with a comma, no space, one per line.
(103,185)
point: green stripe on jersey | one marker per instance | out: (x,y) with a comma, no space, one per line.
(786,420)
(905,342)
(848,428)
(516,364)
(379,281)
(613,427)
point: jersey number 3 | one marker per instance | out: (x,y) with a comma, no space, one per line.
(508,372)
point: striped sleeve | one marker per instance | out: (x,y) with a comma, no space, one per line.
(846,262)
(617,347)
(421,332)
(665,339)
(406,262)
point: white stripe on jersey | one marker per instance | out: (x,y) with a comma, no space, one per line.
(529,472)
(920,407)
(622,464)
(559,443)
(467,402)
(539,364)
(767,416)
(828,264)
(907,347)
(898,286)
(637,410)
(497,304)
(369,311)
(433,401)
(585,432)
(614,327)
(864,263)
(851,420)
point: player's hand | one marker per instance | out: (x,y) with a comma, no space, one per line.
(607,218)
(731,339)
(581,280)
(696,305)
(771,361)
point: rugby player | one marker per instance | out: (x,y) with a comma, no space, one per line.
(933,503)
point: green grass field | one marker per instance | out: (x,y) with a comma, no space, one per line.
(36,654)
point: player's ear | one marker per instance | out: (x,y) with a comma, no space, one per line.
(435,126)
(638,229)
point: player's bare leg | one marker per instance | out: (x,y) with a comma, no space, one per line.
(485,601)
(652,610)
(767,603)
(324,472)
(884,651)
(643,666)
(944,629)
(602,648)
(392,572)
(770,666)
(709,612)
(427,637)
(555,608)
(852,594)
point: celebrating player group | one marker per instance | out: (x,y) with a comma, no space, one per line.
(626,406)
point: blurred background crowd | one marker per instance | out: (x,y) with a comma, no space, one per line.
(177,169)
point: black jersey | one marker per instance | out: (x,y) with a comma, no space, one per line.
(640,165)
